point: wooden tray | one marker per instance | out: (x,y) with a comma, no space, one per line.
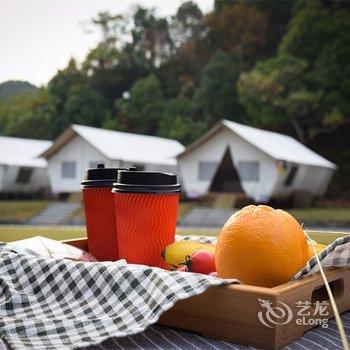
(231,312)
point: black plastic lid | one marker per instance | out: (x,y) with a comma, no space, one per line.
(101,176)
(146,182)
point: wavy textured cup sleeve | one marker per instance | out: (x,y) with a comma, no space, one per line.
(146,224)
(100,223)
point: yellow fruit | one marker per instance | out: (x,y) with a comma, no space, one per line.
(175,253)
(319,248)
(261,246)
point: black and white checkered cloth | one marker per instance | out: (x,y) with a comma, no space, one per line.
(336,254)
(60,304)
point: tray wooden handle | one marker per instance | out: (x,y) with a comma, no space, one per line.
(320,294)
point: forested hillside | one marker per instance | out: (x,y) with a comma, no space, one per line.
(278,65)
(14,87)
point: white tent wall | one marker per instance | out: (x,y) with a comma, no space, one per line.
(311,179)
(82,154)
(210,151)
(85,156)
(213,149)
(314,179)
(38,180)
(326,179)
(2,175)
(162,168)
(130,147)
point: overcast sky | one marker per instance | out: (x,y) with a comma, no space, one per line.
(38,37)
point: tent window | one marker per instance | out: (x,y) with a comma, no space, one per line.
(291,176)
(68,170)
(206,170)
(24,175)
(248,171)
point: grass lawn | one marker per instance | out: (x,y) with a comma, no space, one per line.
(322,214)
(302,215)
(12,233)
(20,211)
(17,211)
(320,237)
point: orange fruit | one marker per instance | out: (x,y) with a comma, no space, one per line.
(261,246)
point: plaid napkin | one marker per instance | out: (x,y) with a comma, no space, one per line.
(60,304)
(336,254)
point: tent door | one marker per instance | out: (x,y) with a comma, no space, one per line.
(226,178)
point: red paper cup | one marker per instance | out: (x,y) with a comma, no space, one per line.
(100,223)
(146,224)
(100,212)
(146,205)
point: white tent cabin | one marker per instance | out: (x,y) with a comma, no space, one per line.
(236,158)
(21,171)
(81,147)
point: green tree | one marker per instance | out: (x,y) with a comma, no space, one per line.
(150,37)
(74,100)
(112,28)
(27,115)
(187,24)
(180,73)
(216,96)
(114,64)
(238,29)
(275,94)
(86,106)
(178,121)
(59,88)
(320,35)
(278,16)
(13,87)
(307,85)
(111,72)
(309,78)
(308,30)
(144,109)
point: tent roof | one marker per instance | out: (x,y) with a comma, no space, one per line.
(22,152)
(117,145)
(277,146)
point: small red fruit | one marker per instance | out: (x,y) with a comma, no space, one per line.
(201,262)
(183,268)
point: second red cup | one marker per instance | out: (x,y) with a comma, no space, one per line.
(146,205)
